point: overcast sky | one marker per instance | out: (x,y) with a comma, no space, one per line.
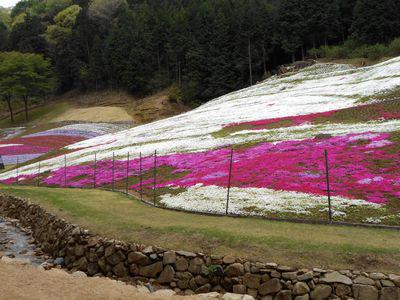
(8,3)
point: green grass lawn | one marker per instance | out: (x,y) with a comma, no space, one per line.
(37,116)
(116,216)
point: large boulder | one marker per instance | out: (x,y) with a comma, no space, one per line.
(251,281)
(167,275)
(234,270)
(300,288)
(151,270)
(270,287)
(138,258)
(321,292)
(335,277)
(365,292)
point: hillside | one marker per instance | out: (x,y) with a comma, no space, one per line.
(279,129)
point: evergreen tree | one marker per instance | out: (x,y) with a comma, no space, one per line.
(376,21)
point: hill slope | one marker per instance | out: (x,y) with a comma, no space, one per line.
(280,129)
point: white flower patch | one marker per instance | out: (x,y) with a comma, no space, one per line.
(254,201)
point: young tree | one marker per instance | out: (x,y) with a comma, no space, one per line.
(24,75)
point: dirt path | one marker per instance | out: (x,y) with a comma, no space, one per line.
(28,282)
(108,114)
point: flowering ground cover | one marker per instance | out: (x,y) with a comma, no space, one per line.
(32,146)
(279,130)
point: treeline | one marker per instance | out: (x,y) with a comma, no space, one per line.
(352,49)
(206,48)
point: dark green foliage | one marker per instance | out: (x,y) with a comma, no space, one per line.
(376,21)
(3,36)
(204,48)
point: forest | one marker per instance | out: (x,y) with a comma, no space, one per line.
(204,48)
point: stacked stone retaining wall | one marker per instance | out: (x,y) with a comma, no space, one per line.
(189,272)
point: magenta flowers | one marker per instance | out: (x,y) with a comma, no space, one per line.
(362,166)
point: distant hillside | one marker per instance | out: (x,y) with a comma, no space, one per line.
(279,130)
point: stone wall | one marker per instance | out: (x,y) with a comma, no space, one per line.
(189,272)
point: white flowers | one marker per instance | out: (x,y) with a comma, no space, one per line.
(256,201)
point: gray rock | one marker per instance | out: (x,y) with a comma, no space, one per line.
(321,292)
(271,265)
(342,290)
(387,283)
(377,276)
(186,254)
(306,276)
(79,250)
(284,295)
(234,270)
(276,274)
(229,260)
(395,279)
(300,288)
(79,274)
(167,275)
(251,281)
(270,287)
(181,264)
(151,270)
(59,261)
(302,297)
(390,293)
(115,258)
(169,258)
(365,292)
(203,289)
(285,269)
(289,275)
(335,277)
(195,265)
(138,258)
(120,270)
(239,289)
(109,250)
(363,280)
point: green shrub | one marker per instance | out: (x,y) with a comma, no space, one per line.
(359,52)
(335,52)
(394,47)
(376,52)
(316,53)
(175,94)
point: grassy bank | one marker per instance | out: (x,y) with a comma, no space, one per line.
(301,245)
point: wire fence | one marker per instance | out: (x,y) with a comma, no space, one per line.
(144,178)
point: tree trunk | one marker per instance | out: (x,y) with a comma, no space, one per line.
(26,107)
(8,99)
(264,60)
(303,56)
(250,66)
(293,57)
(158,59)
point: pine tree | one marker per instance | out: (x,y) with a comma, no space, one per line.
(376,21)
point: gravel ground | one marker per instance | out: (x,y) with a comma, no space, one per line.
(20,281)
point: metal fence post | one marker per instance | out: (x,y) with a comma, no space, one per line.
(229,182)
(94,171)
(65,170)
(17,179)
(140,176)
(328,186)
(113,172)
(38,176)
(127,174)
(155,178)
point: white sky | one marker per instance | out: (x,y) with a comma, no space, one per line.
(8,3)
